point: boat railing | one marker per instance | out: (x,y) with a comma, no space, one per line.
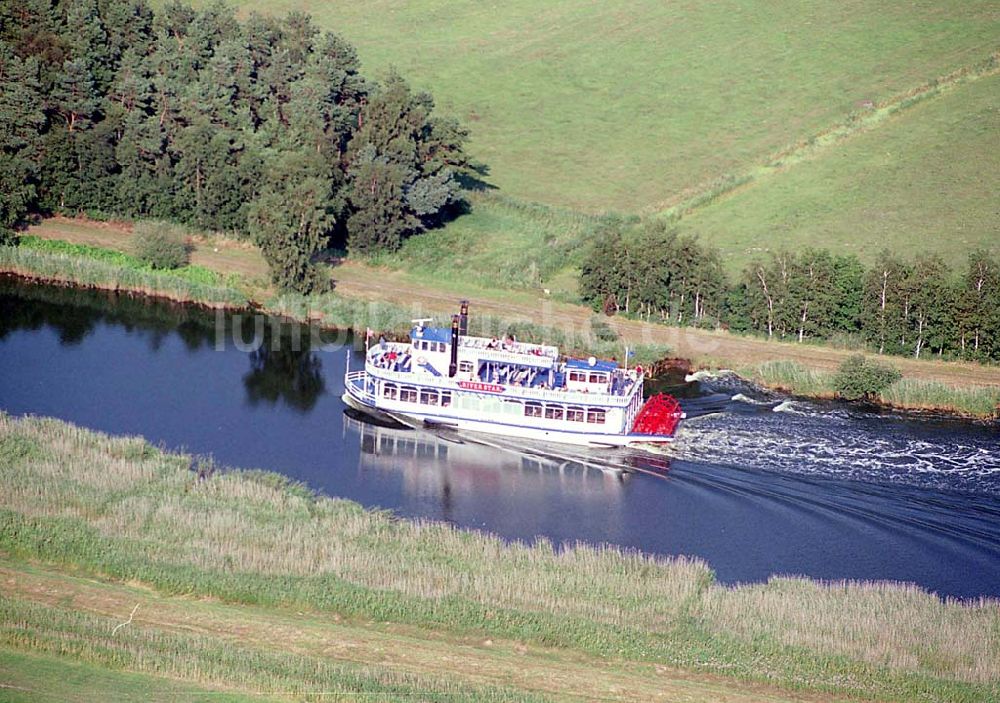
(524,392)
(355,381)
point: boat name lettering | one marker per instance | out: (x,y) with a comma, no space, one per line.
(475,386)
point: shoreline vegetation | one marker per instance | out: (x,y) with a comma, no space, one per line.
(57,262)
(95,526)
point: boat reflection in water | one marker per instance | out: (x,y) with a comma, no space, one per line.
(486,483)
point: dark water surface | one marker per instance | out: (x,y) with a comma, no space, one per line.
(756,484)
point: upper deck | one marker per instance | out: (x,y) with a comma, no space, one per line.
(515,369)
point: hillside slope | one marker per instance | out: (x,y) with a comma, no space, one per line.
(925,180)
(625,105)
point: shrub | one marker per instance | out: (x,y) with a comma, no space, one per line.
(861,378)
(602,330)
(160,245)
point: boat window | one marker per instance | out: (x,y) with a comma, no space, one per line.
(465,366)
(428,397)
(512,407)
(408,394)
(446,398)
(595,416)
(554,412)
(578,376)
(598,378)
(389,391)
(574,414)
(533,409)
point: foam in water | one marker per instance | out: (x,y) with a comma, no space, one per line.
(826,439)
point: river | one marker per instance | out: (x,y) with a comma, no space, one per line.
(757,484)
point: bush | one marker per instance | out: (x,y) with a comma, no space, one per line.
(602,330)
(861,378)
(160,245)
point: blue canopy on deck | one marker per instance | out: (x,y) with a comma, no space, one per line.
(432,334)
(599,365)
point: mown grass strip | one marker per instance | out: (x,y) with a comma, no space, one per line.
(215,662)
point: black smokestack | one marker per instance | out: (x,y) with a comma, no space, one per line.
(463,325)
(453,366)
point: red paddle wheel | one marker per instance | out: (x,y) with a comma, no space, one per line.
(658,416)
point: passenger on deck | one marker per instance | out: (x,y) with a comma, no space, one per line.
(493,344)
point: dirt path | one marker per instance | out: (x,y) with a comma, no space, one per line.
(565,675)
(357,280)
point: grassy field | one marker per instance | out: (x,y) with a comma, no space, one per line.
(646,107)
(924,181)
(246,581)
(628,105)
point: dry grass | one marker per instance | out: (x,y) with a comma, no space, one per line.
(895,625)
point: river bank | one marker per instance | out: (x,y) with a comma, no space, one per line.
(387,302)
(93,525)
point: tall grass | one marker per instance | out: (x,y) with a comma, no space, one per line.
(911,393)
(914,393)
(792,377)
(99,268)
(121,508)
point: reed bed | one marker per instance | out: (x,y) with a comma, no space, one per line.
(979,401)
(792,377)
(121,508)
(80,270)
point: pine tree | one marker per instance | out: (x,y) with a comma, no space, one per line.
(292,218)
(404,168)
(380,220)
(88,41)
(21,118)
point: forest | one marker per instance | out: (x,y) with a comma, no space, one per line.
(264,129)
(902,305)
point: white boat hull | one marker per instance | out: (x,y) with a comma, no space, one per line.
(587,439)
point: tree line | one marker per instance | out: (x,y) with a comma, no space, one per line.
(914,307)
(264,128)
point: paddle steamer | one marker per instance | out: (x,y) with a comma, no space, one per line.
(445,377)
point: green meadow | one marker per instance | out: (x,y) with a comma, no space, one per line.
(628,105)
(641,107)
(924,180)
